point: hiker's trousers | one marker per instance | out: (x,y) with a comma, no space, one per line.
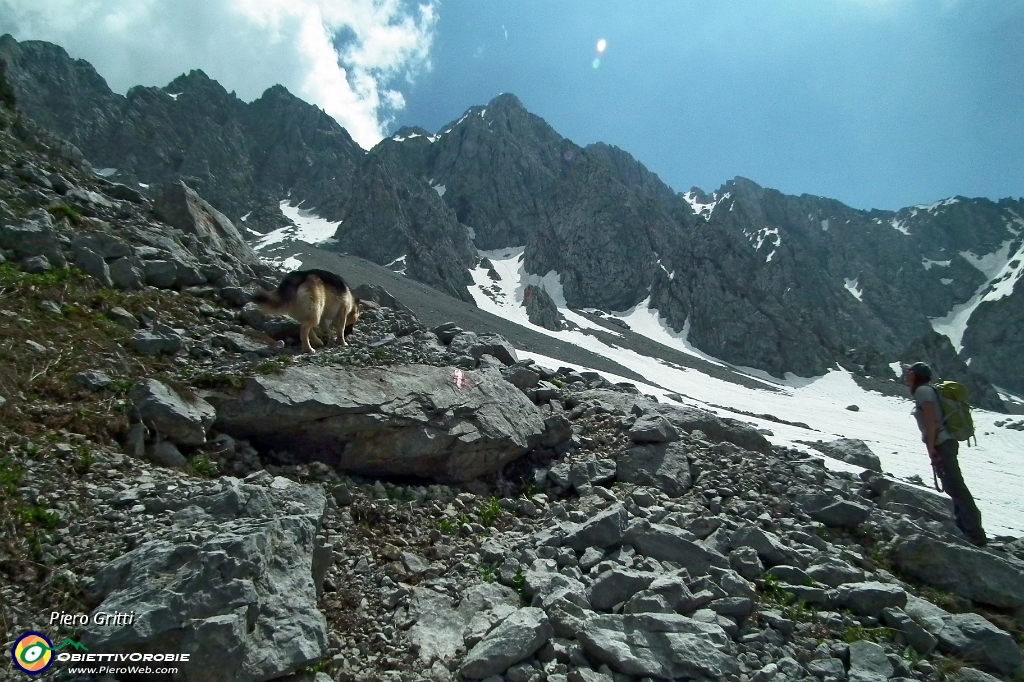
(965,511)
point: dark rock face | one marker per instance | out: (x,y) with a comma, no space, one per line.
(236,155)
(778,282)
(541,309)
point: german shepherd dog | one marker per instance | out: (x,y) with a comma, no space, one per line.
(314,298)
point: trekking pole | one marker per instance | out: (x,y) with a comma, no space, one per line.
(935,478)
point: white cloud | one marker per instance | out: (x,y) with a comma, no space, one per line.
(343,55)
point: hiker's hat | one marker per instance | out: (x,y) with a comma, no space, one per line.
(921,370)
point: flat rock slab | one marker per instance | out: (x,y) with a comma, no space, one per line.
(969,572)
(659,645)
(404,420)
(851,451)
(664,465)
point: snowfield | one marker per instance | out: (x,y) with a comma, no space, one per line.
(994,469)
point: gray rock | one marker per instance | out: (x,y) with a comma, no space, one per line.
(91,263)
(664,466)
(686,419)
(171,416)
(833,571)
(670,590)
(165,453)
(181,207)
(967,571)
(603,530)
(36,235)
(835,511)
(440,624)
(744,560)
(125,273)
(162,274)
(407,419)
(663,646)
(827,669)
(851,451)
(617,585)
(652,428)
(870,598)
(517,638)
(522,378)
(241,602)
(868,663)
(591,472)
(36,265)
(669,543)
(972,638)
(923,641)
(93,380)
(913,501)
(768,546)
(155,343)
(541,309)
(123,318)
(967,674)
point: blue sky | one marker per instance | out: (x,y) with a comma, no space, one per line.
(877,103)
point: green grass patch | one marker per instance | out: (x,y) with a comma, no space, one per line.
(490,513)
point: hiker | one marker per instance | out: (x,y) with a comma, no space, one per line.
(943,448)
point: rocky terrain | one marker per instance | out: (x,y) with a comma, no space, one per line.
(421,504)
(766,280)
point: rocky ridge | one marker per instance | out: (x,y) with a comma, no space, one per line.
(782,283)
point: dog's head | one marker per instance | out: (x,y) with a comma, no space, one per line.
(353,316)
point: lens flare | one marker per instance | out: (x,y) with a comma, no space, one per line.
(602,44)
(597,63)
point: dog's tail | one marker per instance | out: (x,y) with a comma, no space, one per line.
(276,301)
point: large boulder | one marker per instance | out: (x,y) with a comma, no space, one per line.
(403,420)
(659,645)
(181,207)
(541,309)
(441,622)
(967,571)
(240,601)
(834,511)
(36,235)
(663,465)
(169,415)
(972,638)
(517,638)
(670,543)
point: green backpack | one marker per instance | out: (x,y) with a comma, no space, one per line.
(956,411)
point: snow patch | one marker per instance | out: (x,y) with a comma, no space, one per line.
(306,227)
(928,263)
(991,263)
(398,265)
(246,216)
(896,368)
(854,289)
(946,280)
(899,226)
(440,189)
(824,225)
(143,185)
(174,95)
(105,172)
(704,209)
(931,208)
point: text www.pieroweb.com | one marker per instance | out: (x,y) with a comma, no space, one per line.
(126,670)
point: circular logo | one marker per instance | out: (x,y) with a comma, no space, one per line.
(32,653)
